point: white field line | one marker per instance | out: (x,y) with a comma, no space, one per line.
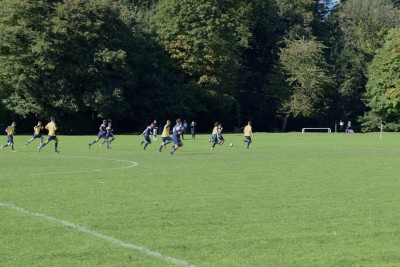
(110,239)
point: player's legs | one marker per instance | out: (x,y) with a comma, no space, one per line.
(99,136)
(214,140)
(55,144)
(221,140)
(248,140)
(49,138)
(176,141)
(29,141)
(148,141)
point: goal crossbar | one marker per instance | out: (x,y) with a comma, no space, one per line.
(304,129)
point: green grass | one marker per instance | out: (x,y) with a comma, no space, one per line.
(290,200)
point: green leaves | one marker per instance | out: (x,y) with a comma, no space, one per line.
(204,37)
(307,75)
(383,87)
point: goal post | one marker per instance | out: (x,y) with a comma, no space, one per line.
(315,129)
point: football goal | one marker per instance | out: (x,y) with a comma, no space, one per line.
(316,129)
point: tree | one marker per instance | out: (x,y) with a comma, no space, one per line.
(307,78)
(205,39)
(66,57)
(383,87)
(359,29)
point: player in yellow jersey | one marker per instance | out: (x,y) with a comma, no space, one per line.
(214,135)
(52,128)
(36,134)
(248,134)
(10,137)
(166,139)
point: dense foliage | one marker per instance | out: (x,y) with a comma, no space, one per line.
(282,64)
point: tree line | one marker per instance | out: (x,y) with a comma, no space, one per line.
(283,64)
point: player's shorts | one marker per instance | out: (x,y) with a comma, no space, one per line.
(108,135)
(166,139)
(176,139)
(36,136)
(101,135)
(220,137)
(10,139)
(248,139)
(147,138)
(52,137)
(214,138)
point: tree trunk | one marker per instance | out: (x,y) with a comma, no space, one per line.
(285,120)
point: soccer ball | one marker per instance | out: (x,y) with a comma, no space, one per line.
(231,145)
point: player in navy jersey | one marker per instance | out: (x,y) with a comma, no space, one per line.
(146,133)
(102,133)
(176,133)
(219,135)
(109,135)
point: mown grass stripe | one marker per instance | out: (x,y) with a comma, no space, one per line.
(111,239)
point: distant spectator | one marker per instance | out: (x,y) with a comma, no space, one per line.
(155,128)
(193,129)
(348,128)
(341,123)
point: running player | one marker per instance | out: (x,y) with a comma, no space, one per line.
(102,133)
(109,135)
(10,130)
(166,139)
(219,135)
(176,133)
(52,128)
(248,134)
(36,134)
(146,133)
(214,135)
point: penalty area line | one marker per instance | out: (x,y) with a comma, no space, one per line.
(110,239)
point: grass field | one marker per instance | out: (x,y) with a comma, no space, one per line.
(289,200)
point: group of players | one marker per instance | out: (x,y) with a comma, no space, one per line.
(177,131)
(106,133)
(51,127)
(216,135)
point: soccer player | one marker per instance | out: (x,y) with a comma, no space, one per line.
(166,139)
(176,133)
(36,134)
(146,133)
(248,134)
(109,135)
(219,135)
(102,133)
(10,130)
(214,135)
(155,129)
(52,128)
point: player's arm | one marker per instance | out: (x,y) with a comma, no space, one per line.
(55,127)
(144,131)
